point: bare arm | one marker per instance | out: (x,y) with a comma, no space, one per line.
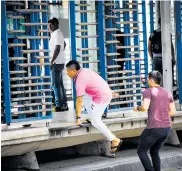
(144,107)
(78,106)
(150,49)
(172,109)
(56,53)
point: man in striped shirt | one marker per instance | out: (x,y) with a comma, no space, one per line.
(160,106)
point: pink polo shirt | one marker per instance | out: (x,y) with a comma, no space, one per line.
(89,82)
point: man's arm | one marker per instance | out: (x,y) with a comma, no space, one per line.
(56,53)
(147,95)
(78,106)
(150,49)
(78,109)
(172,109)
(144,107)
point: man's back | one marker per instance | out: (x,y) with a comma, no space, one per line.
(87,81)
(158,112)
(156,42)
(57,38)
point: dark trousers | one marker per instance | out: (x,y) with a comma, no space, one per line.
(58,86)
(153,140)
(157,65)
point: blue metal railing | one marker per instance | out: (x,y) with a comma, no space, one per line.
(178,13)
(137,50)
(6,77)
(145,38)
(24,83)
(151,8)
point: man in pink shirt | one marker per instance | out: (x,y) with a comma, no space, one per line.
(94,92)
(160,106)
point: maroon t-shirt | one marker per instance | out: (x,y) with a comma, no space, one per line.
(158,112)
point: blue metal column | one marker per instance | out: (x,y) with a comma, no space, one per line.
(32,55)
(136,43)
(110,24)
(72,15)
(151,7)
(101,27)
(110,47)
(38,73)
(118,14)
(178,11)
(16,26)
(84,40)
(46,60)
(145,38)
(101,39)
(128,64)
(5,55)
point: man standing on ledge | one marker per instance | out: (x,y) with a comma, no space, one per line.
(57,46)
(94,92)
(160,106)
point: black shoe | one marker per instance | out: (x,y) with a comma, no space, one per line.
(66,108)
(104,115)
(58,109)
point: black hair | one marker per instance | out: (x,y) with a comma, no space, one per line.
(156,76)
(159,21)
(73,64)
(54,21)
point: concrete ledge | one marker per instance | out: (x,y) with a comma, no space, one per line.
(58,135)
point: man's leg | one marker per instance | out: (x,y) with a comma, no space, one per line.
(154,151)
(63,91)
(56,100)
(57,90)
(146,142)
(97,111)
(157,64)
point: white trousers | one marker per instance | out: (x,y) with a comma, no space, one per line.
(95,112)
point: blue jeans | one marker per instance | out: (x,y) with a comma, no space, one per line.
(58,86)
(152,139)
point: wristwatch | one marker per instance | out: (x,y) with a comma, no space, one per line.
(78,117)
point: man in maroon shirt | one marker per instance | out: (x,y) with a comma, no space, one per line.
(160,106)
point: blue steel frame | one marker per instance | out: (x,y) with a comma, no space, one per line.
(33,43)
(4,37)
(151,4)
(47,67)
(16,26)
(84,40)
(110,47)
(6,81)
(118,14)
(136,42)
(37,18)
(145,38)
(109,24)
(178,13)
(72,15)
(101,27)
(128,64)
